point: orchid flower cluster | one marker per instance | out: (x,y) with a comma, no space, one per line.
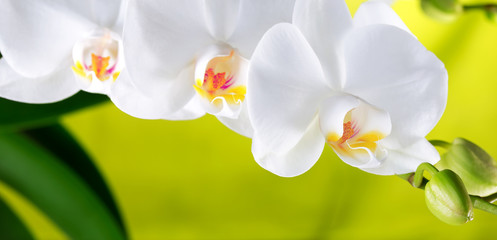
(291,75)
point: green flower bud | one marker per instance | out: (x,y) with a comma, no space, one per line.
(447,198)
(443,10)
(477,169)
(491,12)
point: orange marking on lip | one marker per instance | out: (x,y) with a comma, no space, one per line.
(352,141)
(99,66)
(216,85)
(348,131)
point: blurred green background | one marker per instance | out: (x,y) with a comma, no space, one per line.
(198,180)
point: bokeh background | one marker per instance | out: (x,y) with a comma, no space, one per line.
(198,180)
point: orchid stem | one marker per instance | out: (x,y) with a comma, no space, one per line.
(485,7)
(418,176)
(481,204)
(491,198)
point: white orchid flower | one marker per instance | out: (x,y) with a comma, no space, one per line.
(367,87)
(45,44)
(189,58)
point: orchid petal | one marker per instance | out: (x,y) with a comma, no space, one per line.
(240,125)
(104,12)
(377,12)
(332,113)
(119,25)
(221,16)
(407,159)
(192,110)
(158,45)
(175,95)
(394,72)
(285,87)
(131,101)
(324,23)
(49,30)
(296,160)
(254,19)
(50,88)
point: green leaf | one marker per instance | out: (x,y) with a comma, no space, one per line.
(55,189)
(59,142)
(17,115)
(11,227)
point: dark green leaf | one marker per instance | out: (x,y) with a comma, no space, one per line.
(59,142)
(11,227)
(55,190)
(16,115)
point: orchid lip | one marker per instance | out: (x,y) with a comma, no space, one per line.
(220,80)
(98,60)
(355,130)
(351,141)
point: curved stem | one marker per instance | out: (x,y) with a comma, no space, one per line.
(481,204)
(418,176)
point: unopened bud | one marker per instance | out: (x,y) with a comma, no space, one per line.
(447,198)
(476,168)
(491,12)
(443,10)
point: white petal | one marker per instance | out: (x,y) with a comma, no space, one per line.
(37,36)
(240,125)
(368,118)
(377,12)
(176,94)
(221,16)
(160,39)
(394,72)
(332,113)
(255,18)
(104,12)
(405,160)
(324,23)
(284,89)
(133,102)
(192,110)
(50,88)
(223,108)
(118,26)
(297,160)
